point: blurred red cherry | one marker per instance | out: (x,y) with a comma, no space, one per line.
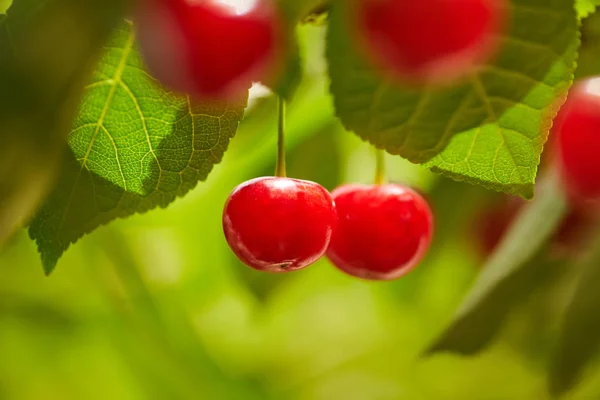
(577,131)
(429,41)
(211,48)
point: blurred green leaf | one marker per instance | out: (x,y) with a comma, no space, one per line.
(40,315)
(586,7)
(4,5)
(288,83)
(134,147)
(510,274)
(489,130)
(297,10)
(580,337)
(588,63)
(42,83)
(324,149)
(293,11)
(172,340)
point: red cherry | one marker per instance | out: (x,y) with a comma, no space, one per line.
(430,40)
(279,224)
(383,230)
(210,49)
(577,127)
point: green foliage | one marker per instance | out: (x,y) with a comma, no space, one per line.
(133,147)
(171,313)
(157,305)
(298,10)
(4,5)
(288,83)
(588,63)
(586,7)
(509,275)
(41,85)
(294,11)
(489,130)
(580,337)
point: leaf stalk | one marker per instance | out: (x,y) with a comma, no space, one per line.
(280,170)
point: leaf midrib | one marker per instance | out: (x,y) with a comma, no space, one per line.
(117,79)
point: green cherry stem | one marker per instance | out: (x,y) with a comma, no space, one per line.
(379,167)
(280,167)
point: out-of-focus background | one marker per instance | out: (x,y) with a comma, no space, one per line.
(157,306)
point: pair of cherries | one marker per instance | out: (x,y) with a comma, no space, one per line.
(377,232)
(217,48)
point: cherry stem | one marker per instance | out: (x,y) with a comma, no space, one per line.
(379,167)
(280,166)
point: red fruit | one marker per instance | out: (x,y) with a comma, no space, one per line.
(430,40)
(208,48)
(279,224)
(577,127)
(383,230)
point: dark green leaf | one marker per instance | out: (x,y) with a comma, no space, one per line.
(510,274)
(489,130)
(580,337)
(288,83)
(298,10)
(47,51)
(293,11)
(588,63)
(133,147)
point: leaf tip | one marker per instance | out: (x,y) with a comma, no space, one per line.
(432,350)
(527,192)
(48,262)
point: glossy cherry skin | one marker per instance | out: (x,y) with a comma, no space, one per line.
(279,224)
(383,230)
(429,41)
(209,49)
(577,130)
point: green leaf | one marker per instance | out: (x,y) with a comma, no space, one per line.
(288,83)
(580,337)
(510,274)
(133,147)
(298,10)
(47,52)
(588,63)
(4,5)
(489,130)
(586,7)
(293,12)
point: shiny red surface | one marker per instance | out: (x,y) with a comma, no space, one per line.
(279,224)
(577,128)
(430,40)
(205,48)
(383,230)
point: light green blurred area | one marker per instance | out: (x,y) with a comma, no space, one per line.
(157,307)
(4,4)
